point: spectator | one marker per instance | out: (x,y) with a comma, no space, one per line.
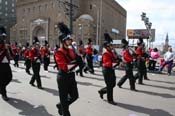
(169,57)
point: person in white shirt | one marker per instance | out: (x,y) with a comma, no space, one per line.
(169,58)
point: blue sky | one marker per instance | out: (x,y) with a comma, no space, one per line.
(160,12)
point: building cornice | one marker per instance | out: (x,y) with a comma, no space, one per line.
(116,6)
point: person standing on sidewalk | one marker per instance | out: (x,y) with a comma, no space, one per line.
(108,59)
(169,58)
(66,62)
(128,59)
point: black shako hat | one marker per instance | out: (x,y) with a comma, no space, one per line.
(140,41)
(80,42)
(108,37)
(35,40)
(89,41)
(65,32)
(46,43)
(124,43)
(3,31)
(27,44)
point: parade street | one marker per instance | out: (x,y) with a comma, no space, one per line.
(155,98)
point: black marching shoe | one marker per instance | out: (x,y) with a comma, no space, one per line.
(101,94)
(28,72)
(133,89)
(32,84)
(119,86)
(146,79)
(112,102)
(76,73)
(5,98)
(40,87)
(59,109)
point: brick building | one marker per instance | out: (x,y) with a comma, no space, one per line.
(91,18)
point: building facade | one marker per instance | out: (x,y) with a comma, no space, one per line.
(91,19)
(7,14)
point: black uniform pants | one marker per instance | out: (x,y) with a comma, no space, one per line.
(128,75)
(141,69)
(28,64)
(152,65)
(36,75)
(16,59)
(5,77)
(68,91)
(46,62)
(80,70)
(110,81)
(90,66)
(145,71)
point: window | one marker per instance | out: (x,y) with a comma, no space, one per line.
(90,6)
(28,10)
(6,3)
(39,7)
(13,10)
(6,14)
(24,11)
(13,5)
(34,8)
(0,1)
(45,6)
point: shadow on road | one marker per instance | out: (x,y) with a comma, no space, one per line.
(52,91)
(88,84)
(162,81)
(44,76)
(93,78)
(162,87)
(52,72)
(98,74)
(21,67)
(164,95)
(140,109)
(27,109)
(16,81)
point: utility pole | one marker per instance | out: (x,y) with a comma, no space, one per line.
(71,16)
(70,12)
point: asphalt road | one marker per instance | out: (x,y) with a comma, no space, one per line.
(155,98)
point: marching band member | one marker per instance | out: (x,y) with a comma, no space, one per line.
(27,58)
(35,57)
(128,59)
(108,58)
(65,56)
(45,53)
(5,70)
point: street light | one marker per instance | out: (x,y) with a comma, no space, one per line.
(147,24)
